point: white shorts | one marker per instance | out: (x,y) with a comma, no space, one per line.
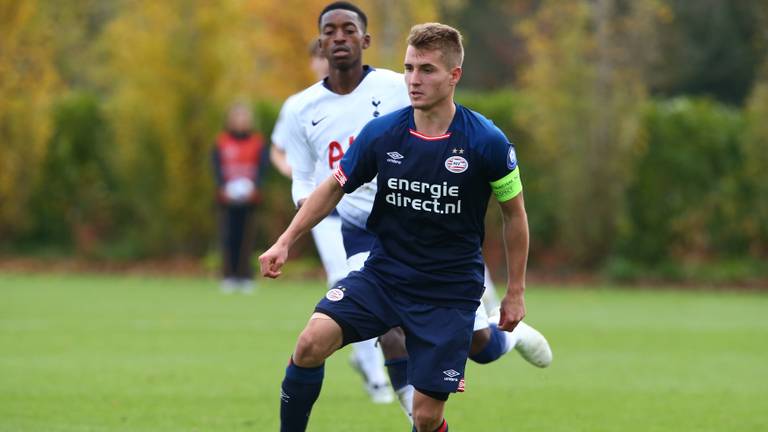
(330,247)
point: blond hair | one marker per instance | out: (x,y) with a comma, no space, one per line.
(436,36)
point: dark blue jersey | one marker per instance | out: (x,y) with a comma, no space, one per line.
(429,210)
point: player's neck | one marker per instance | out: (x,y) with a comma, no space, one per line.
(345,81)
(435,120)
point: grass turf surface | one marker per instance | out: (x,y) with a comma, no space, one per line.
(109,353)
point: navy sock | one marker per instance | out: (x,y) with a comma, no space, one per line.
(495,348)
(300,390)
(442,428)
(398,372)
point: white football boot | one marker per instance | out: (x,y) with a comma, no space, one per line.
(531,345)
(528,342)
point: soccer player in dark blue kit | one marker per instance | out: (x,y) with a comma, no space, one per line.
(436,164)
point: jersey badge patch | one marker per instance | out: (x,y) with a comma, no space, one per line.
(375,104)
(456,164)
(334,294)
(511,158)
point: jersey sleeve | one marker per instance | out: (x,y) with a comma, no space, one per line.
(299,153)
(502,168)
(281,132)
(358,166)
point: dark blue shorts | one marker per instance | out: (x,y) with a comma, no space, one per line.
(437,338)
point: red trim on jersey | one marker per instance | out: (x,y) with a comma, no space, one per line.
(443,427)
(429,138)
(340,176)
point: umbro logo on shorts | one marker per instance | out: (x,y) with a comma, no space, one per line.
(451,375)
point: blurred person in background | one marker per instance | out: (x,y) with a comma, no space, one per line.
(239,161)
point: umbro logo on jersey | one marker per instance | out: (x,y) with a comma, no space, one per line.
(315,122)
(395,158)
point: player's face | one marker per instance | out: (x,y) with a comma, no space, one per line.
(342,39)
(429,80)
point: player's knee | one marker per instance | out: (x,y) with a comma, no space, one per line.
(480,340)
(426,420)
(311,350)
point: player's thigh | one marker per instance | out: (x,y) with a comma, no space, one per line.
(359,307)
(438,341)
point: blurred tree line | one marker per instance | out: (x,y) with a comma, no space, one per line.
(640,125)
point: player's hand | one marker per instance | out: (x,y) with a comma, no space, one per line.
(512,311)
(272,261)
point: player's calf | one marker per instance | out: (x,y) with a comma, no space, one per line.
(488,344)
(428,412)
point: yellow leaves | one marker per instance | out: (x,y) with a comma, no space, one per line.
(28,81)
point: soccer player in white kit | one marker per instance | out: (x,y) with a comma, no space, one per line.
(321,123)
(310,162)
(326,234)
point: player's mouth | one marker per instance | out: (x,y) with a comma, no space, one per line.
(341,52)
(416,94)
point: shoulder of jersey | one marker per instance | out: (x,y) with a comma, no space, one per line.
(308,94)
(386,74)
(482,128)
(392,122)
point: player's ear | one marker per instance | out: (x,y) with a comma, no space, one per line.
(455,75)
(366,40)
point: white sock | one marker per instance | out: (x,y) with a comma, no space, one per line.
(490,298)
(513,338)
(405,396)
(371,361)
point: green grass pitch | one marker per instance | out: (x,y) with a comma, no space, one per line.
(108,353)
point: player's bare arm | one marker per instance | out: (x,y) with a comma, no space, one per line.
(515,230)
(319,205)
(279,160)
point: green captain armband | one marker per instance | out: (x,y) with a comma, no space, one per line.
(508,186)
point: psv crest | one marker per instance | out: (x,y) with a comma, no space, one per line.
(456,164)
(334,294)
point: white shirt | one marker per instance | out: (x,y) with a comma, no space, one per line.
(317,126)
